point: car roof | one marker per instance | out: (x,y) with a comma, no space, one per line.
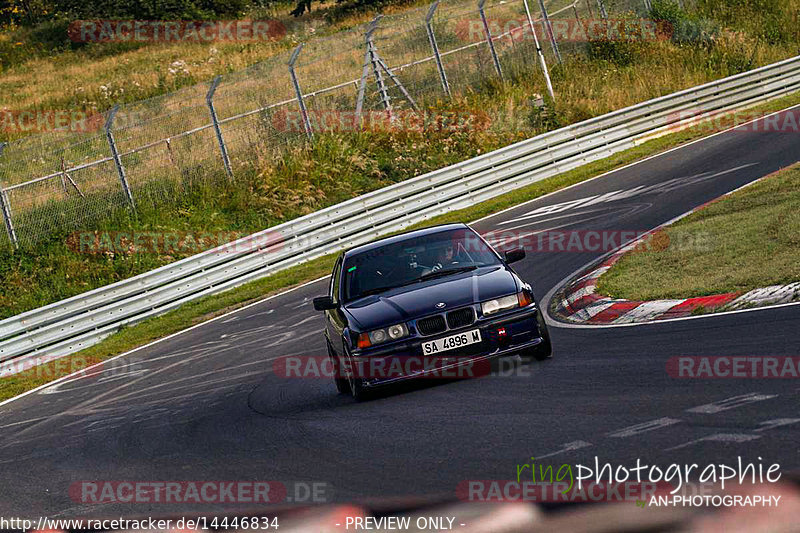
(403,236)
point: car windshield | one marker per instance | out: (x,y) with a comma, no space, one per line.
(413,260)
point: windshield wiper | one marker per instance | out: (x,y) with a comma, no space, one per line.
(446,272)
(376,290)
(425,277)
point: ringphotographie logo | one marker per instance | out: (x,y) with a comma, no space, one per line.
(175,31)
(645,484)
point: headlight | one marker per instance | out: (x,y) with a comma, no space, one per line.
(500,304)
(398,331)
(521,299)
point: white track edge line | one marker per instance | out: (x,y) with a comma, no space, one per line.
(162,339)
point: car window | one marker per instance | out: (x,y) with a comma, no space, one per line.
(335,280)
(407,261)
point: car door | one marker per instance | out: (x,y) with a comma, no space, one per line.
(334,318)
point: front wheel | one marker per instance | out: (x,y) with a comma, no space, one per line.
(342,385)
(543,350)
(355,383)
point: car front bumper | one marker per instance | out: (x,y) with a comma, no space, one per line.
(403,360)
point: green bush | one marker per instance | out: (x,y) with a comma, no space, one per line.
(683,27)
(622,47)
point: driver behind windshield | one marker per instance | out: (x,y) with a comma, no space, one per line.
(444,257)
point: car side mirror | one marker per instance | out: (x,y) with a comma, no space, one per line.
(515,255)
(323,303)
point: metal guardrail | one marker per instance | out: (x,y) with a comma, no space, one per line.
(70,325)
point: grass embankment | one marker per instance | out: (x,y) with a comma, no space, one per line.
(747,240)
(40,68)
(209,307)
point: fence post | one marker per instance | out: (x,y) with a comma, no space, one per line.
(6,208)
(549,26)
(603,12)
(217,130)
(542,61)
(372,60)
(299,93)
(376,68)
(489,41)
(115,155)
(435,47)
(648,6)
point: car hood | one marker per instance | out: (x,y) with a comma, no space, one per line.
(420,299)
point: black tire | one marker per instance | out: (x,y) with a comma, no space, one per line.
(355,383)
(342,385)
(543,350)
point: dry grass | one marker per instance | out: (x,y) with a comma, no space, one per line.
(89,79)
(748,240)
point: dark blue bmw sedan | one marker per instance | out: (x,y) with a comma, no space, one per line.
(426,303)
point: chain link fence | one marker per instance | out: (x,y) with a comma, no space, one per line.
(374,75)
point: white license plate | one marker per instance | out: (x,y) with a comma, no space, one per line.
(452,342)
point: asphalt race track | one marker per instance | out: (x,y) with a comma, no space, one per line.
(206,405)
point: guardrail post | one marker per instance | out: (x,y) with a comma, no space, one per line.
(552,35)
(5,206)
(489,41)
(435,47)
(539,52)
(222,148)
(299,93)
(603,12)
(115,155)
